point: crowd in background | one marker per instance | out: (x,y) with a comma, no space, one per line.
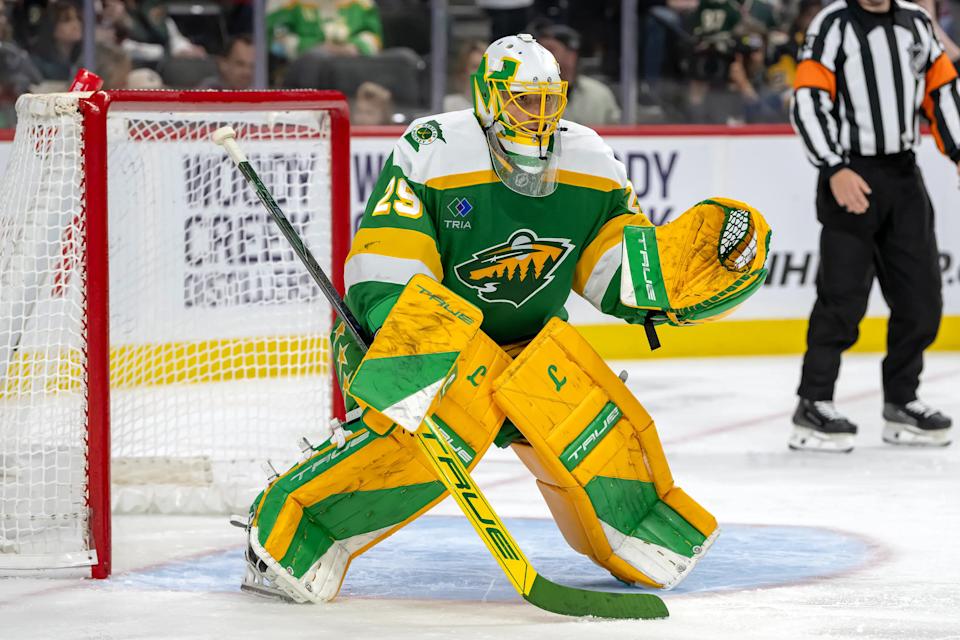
(699,61)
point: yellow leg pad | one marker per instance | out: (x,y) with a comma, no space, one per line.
(577,520)
(599,463)
(415,352)
(327,510)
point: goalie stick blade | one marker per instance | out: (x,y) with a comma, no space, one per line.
(571,601)
(533,587)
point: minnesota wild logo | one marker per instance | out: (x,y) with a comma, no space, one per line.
(515,270)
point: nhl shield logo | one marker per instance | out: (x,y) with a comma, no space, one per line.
(514,271)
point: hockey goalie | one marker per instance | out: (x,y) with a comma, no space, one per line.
(508,208)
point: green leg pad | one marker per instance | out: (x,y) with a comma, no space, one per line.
(633,508)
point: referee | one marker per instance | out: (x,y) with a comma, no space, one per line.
(867,69)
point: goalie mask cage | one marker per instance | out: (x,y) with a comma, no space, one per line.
(179,337)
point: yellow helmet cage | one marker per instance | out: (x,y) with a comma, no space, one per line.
(529,108)
(518,84)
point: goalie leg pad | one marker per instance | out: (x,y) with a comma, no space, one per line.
(599,464)
(314,519)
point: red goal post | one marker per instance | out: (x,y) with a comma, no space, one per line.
(206,307)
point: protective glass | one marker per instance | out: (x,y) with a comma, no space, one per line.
(529,175)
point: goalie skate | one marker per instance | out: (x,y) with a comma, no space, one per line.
(255,578)
(266,577)
(818,426)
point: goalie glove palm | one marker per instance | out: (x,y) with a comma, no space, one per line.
(697,268)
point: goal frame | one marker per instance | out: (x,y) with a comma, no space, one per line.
(94,110)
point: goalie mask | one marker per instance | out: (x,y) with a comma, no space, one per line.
(518,98)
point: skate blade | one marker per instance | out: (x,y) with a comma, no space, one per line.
(907,435)
(266,592)
(806,439)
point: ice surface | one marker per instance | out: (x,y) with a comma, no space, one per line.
(813,545)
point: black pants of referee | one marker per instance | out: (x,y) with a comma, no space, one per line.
(893,241)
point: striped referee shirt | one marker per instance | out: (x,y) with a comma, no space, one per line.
(864,78)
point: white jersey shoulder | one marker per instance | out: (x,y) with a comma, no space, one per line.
(453,143)
(442,145)
(583,151)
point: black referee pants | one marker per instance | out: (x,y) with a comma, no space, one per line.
(894,241)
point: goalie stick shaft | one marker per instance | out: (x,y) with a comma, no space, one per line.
(450,470)
(226,138)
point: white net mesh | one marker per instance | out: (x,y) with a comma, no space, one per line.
(218,342)
(42,398)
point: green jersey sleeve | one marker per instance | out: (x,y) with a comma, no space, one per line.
(396,240)
(597,276)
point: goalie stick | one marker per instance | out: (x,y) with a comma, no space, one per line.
(533,587)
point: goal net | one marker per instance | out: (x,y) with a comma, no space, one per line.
(154,323)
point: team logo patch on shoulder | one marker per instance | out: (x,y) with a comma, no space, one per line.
(515,270)
(425,133)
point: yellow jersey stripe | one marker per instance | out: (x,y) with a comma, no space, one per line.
(398,243)
(458,180)
(487,176)
(600,183)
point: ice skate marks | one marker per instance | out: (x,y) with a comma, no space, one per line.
(744,557)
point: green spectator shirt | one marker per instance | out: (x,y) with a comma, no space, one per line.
(353,21)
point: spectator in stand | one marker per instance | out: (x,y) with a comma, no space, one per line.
(113,66)
(145,31)
(762,101)
(729,84)
(337,27)
(25,17)
(783,67)
(57,48)
(235,66)
(17,72)
(373,105)
(144,79)
(734,16)
(468,62)
(589,101)
(662,34)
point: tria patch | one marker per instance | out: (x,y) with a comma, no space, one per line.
(460,207)
(425,133)
(515,270)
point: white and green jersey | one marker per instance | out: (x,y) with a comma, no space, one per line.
(439,209)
